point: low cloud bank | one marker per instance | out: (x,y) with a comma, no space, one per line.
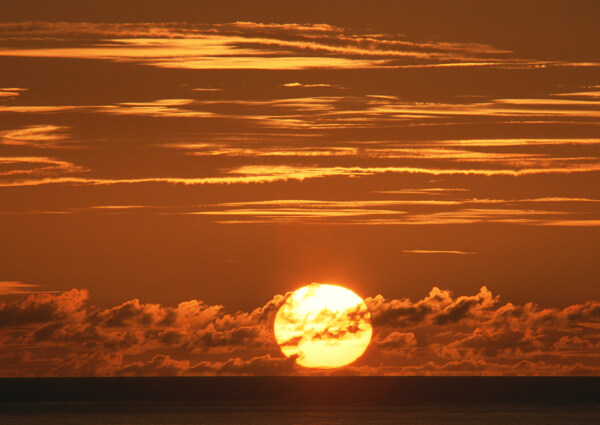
(63,334)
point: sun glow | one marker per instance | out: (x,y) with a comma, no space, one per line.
(325,326)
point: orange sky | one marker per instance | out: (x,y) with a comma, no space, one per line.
(230,153)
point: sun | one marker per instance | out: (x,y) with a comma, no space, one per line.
(325,326)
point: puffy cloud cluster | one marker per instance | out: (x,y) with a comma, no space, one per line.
(64,335)
(481,335)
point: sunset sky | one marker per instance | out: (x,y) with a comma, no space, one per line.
(169,171)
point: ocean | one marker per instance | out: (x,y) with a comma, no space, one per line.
(301,400)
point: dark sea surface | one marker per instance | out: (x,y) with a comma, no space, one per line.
(301,400)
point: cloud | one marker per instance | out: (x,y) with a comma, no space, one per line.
(260,365)
(251,45)
(11,91)
(64,335)
(32,168)
(416,153)
(306,85)
(262,174)
(425,251)
(37,136)
(461,332)
(160,365)
(558,211)
(285,172)
(148,30)
(43,309)
(397,344)
(99,364)
(438,307)
(207,51)
(247,158)
(593,93)
(12,288)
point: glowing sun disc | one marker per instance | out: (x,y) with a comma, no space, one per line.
(325,326)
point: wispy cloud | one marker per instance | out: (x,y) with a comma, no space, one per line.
(403,212)
(17,288)
(33,167)
(306,85)
(267,174)
(245,45)
(425,251)
(40,136)
(294,133)
(11,91)
(283,172)
(207,52)
(354,111)
(557,211)
(423,191)
(591,93)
